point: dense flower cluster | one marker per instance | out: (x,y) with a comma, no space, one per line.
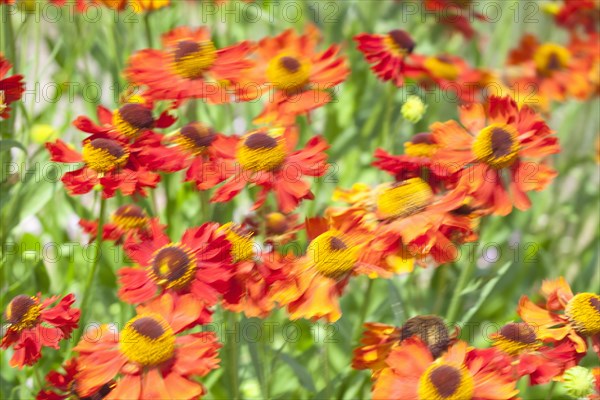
(428,204)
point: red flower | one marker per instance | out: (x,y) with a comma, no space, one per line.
(198,264)
(389,54)
(127,220)
(148,359)
(452,14)
(496,141)
(33,324)
(11,88)
(266,158)
(190,67)
(575,13)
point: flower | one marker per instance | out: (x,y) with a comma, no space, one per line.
(190,67)
(294,75)
(579,382)
(193,265)
(413,109)
(451,13)
(149,358)
(554,70)
(497,142)
(265,157)
(129,219)
(564,315)
(575,13)
(64,386)
(33,323)
(11,87)
(389,54)
(461,373)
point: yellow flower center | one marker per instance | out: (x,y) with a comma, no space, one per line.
(261,151)
(551,57)
(583,310)
(132,118)
(23,312)
(431,329)
(420,146)
(331,254)
(442,67)
(442,381)
(192,59)
(399,42)
(129,217)
(497,145)
(288,73)
(515,338)
(103,155)
(403,198)
(196,138)
(276,223)
(242,246)
(147,340)
(173,266)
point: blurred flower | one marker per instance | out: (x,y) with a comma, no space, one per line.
(564,315)
(388,54)
(579,13)
(579,382)
(148,359)
(127,220)
(34,324)
(64,386)
(497,142)
(265,157)
(11,87)
(42,133)
(413,109)
(190,67)
(462,372)
(457,15)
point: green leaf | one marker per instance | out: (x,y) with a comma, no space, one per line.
(485,292)
(304,377)
(6,144)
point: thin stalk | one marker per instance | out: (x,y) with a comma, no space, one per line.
(148,29)
(455,303)
(233,347)
(89,285)
(363,309)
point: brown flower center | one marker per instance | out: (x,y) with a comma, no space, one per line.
(429,328)
(173,266)
(402,40)
(196,137)
(103,155)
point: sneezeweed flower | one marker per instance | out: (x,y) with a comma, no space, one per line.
(129,219)
(314,282)
(497,150)
(457,15)
(34,323)
(413,109)
(279,229)
(541,361)
(151,357)
(579,382)
(564,316)
(379,339)
(266,158)
(294,75)
(412,373)
(64,386)
(555,71)
(11,87)
(574,14)
(190,67)
(389,54)
(196,264)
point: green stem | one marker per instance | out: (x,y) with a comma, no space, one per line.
(89,285)
(551,390)
(233,355)
(148,29)
(455,303)
(364,308)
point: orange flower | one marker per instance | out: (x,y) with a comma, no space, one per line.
(190,67)
(379,339)
(555,71)
(295,76)
(265,157)
(196,265)
(455,14)
(531,356)
(388,54)
(127,220)
(279,228)
(314,282)
(564,315)
(412,373)
(64,386)
(498,141)
(148,359)
(33,324)
(575,13)
(11,88)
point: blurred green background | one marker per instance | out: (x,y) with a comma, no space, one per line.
(72,63)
